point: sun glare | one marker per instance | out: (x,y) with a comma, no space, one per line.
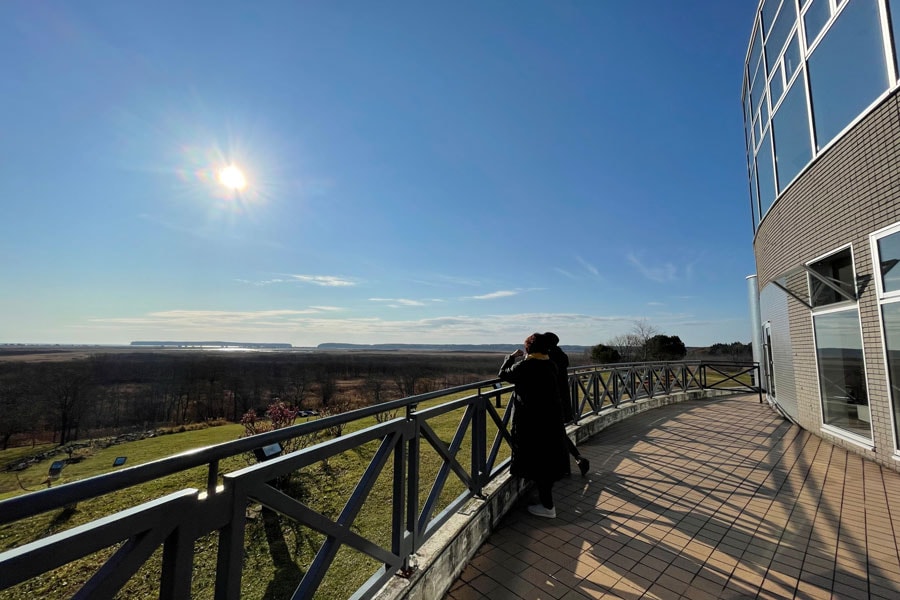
(232,178)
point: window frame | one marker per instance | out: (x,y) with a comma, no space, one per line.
(883,298)
(835,307)
(809,291)
(844,434)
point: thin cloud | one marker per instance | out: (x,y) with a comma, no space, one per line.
(263,282)
(397,302)
(588,266)
(564,272)
(324,280)
(494,295)
(664,273)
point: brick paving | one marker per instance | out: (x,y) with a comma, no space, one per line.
(706,499)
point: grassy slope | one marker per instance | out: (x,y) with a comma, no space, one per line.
(328,486)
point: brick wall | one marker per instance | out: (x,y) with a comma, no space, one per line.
(852,190)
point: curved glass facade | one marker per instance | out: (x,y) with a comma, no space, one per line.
(813,67)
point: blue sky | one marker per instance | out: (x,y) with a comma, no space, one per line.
(419,172)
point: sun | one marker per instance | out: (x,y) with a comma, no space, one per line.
(232,178)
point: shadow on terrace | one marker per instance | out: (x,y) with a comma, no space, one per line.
(716,498)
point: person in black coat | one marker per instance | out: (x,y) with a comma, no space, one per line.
(561,360)
(538,451)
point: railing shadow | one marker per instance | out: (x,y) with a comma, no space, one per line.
(713,500)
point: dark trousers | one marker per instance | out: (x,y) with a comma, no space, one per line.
(545,492)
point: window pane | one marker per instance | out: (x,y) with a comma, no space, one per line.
(755,54)
(842,381)
(847,70)
(792,58)
(838,269)
(766,174)
(757,89)
(754,201)
(793,148)
(891,315)
(894,7)
(815,19)
(768,13)
(888,257)
(776,86)
(784,22)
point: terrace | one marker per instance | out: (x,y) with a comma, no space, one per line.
(716,498)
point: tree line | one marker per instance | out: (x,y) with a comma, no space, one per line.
(107,393)
(644,343)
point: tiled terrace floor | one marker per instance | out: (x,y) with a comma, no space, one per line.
(706,499)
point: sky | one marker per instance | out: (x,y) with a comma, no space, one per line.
(458,172)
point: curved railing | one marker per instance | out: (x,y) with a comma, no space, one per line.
(415,470)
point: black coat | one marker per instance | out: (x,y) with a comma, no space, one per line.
(539,452)
(561,360)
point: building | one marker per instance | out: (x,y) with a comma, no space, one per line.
(822,121)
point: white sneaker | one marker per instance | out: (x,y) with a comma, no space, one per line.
(539,510)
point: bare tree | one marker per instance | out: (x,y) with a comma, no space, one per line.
(632,346)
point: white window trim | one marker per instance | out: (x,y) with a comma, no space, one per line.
(876,261)
(882,299)
(836,307)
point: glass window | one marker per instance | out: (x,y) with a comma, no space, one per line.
(894,9)
(766,174)
(757,89)
(784,22)
(757,132)
(837,268)
(792,58)
(815,18)
(890,314)
(776,85)
(755,53)
(754,199)
(842,374)
(790,126)
(769,9)
(888,257)
(847,71)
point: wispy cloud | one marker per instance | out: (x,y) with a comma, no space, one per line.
(564,272)
(588,266)
(398,302)
(325,280)
(262,282)
(494,295)
(655,304)
(662,273)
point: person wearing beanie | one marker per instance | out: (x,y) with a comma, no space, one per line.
(538,451)
(561,360)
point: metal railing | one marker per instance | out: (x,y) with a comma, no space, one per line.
(476,452)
